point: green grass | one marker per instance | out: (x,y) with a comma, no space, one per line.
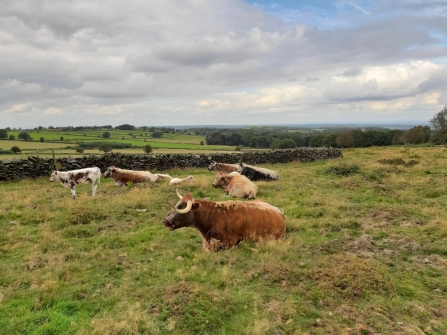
(365,252)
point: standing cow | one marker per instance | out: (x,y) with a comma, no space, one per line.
(71,178)
(225,224)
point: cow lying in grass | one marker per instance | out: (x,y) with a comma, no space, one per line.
(185,181)
(225,224)
(256,173)
(122,176)
(221,167)
(236,185)
(70,179)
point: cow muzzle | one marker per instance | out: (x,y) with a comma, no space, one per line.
(168,224)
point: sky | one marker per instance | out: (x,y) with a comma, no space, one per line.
(221,62)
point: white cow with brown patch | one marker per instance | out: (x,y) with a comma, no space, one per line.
(71,178)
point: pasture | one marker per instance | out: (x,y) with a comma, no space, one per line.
(365,253)
(64,143)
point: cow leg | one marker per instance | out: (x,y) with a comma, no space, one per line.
(94,187)
(73,191)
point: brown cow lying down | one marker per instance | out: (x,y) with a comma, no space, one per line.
(225,224)
(122,177)
(221,167)
(236,185)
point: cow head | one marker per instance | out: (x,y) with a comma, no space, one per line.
(54,176)
(240,167)
(191,179)
(182,215)
(220,181)
(109,172)
(212,166)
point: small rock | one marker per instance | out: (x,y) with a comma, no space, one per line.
(179,258)
(437,290)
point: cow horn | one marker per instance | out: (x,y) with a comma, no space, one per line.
(187,209)
(178,194)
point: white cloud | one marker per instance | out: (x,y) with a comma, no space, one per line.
(153,62)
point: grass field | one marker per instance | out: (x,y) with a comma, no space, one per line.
(171,143)
(365,253)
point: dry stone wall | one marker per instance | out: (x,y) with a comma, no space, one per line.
(36,167)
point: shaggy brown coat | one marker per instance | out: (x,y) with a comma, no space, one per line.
(225,224)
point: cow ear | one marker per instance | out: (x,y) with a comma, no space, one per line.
(195,207)
(55,172)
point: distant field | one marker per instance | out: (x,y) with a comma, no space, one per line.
(170,143)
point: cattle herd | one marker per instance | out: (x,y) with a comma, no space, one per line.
(222,224)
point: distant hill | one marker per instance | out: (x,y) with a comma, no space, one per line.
(310,125)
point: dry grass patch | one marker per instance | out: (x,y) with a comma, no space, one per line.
(351,277)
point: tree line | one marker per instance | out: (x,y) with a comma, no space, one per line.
(284,137)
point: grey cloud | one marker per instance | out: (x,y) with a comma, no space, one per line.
(353,72)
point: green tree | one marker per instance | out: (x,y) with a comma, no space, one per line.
(62,138)
(12,137)
(15,149)
(345,139)
(106,134)
(147,149)
(439,122)
(3,133)
(157,134)
(79,149)
(105,147)
(287,143)
(42,139)
(24,136)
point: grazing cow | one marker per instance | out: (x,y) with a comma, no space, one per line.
(71,178)
(255,173)
(236,185)
(221,167)
(225,224)
(185,181)
(122,177)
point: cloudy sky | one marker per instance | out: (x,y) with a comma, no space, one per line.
(221,62)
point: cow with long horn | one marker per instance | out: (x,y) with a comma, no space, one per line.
(225,224)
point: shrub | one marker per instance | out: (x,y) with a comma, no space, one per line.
(147,148)
(42,139)
(343,169)
(287,143)
(15,149)
(79,149)
(12,137)
(105,147)
(106,134)
(24,136)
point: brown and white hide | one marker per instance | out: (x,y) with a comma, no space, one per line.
(221,167)
(72,178)
(122,176)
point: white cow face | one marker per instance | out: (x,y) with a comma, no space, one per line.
(54,176)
